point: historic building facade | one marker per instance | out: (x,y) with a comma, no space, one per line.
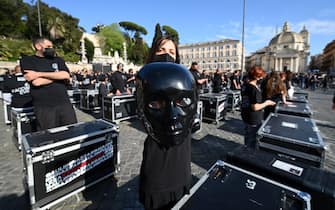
(288,50)
(224,54)
(328,58)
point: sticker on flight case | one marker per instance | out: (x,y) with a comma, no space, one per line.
(221,107)
(288,167)
(75,168)
(289,125)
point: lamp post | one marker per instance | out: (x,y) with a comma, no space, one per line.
(39,17)
(243,20)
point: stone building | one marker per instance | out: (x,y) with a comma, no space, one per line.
(287,50)
(328,58)
(223,54)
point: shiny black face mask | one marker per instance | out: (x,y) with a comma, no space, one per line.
(164,58)
(49,52)
(167,100)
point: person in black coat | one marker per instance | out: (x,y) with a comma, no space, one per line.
(167,100)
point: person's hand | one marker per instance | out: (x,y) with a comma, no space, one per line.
(270,103)
(31,75)
(118,93)
(41,81)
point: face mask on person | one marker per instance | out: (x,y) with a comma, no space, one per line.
(166,57)
(49,52)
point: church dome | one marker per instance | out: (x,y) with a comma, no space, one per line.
(286,37)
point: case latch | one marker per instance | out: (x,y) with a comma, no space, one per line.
(47,156)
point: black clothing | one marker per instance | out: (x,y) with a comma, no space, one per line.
(54,116)
(103,92)
(236,78)
(166,100)
(217,83)
(51,102)
(118,82)
(51,94)
(251,95)
(86,83)
(20,90)
(197,77)
(165,173)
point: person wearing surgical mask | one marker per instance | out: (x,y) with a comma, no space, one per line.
(166,100)
(164,49)
(48,76)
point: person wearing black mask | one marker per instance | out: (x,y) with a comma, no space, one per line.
(167,100)
(48,76)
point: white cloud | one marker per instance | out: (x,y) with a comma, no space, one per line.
(321,27)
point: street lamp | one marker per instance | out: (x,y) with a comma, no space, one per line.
(39,17)
(243,20)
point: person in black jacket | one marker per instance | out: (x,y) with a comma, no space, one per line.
(48,76)
(167,100)
(119,81)
(253,105)
(19,88)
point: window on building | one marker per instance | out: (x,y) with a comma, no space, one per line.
(234,52)
(227,53)
(227,46)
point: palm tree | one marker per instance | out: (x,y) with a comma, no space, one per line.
(56,28)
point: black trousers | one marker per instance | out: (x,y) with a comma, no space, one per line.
(54,116)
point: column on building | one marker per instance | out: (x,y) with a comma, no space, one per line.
(296,64)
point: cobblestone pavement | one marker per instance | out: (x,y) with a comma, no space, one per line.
(120,192)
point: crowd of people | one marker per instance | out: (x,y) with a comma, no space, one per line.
(167,110)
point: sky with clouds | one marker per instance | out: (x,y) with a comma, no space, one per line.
(211,20)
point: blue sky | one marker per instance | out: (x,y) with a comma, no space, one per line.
(210,20)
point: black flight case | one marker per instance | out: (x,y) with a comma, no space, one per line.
(119,108)
(23,121)
(319,183)
(63,161)
(214,106)
(299,92)
(197,124)
(226,186)
(297,109)
(7,98)
(297,99)
(74,96)
(292,136)
(89,100)
(233,99)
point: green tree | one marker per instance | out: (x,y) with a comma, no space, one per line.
(158,34)
(171,32)
(89,47)
(12,18)
(132,28)
(56,27)
(111,38)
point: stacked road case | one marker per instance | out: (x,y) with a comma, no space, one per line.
(119,108)
(89,100)
(63,161)
(293,108)
(294,137)
(214,106)
(319,183)
(229,187)
(23,121)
